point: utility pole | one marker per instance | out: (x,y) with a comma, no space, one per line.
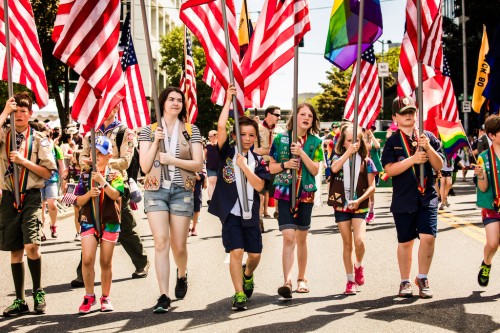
(464,69)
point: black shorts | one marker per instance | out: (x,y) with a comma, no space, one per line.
(410,225)
(235,236)
(19,228)
(197,196)
(446,173)
(286,219)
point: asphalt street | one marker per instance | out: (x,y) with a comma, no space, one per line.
(459,304)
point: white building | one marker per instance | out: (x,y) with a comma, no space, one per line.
(162,15)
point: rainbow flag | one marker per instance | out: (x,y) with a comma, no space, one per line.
(452,136)
(342,41)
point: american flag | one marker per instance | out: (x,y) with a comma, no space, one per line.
(134,109)
(188,79)
(408,64)
(86,38)
(280,27)
(204,19)
(86,35)
(26,55)
(370,97)
(69,197)
(449,104)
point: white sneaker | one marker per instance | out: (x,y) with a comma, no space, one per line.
(78,238)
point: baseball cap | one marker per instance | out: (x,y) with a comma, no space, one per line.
(103,144)
(335,124)
(401,105)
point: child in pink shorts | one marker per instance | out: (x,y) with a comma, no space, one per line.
(106,185)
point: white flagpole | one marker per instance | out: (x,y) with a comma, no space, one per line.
(10,88)
(235,102)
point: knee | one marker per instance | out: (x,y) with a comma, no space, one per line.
(32,250)
(359,242)
(491,247)
(427,240)
(289,240)
(88,261)
(161,243)
(254,256)
(106,263)
(237,254)
(52,205)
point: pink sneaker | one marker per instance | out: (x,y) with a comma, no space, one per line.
(370,218)
(351,288)
(106,305)
(359,275)
(88,301)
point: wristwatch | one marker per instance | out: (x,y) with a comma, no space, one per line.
(283,165)
(105,185)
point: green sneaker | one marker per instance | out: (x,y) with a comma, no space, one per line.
(39,298)
(484,275)
(239,301)
(18,307)
(248,285)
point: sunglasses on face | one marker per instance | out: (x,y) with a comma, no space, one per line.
(277,115)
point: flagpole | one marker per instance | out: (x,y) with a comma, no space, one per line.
(95,200)
(10,88)
(420,89)
(470,147)
(248,19)
(185,75)
(154,91)
(356,94)
(293,197)
(235,100)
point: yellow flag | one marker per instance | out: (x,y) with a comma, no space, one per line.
(243,36)
(483,70)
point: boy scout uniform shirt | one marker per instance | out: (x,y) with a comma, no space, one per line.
(41,155)
(265,134)
(225,194)
(122,156)
(405,195)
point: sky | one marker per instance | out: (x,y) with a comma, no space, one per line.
(312,64)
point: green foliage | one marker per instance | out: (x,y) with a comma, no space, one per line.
(172,52)
(331,102)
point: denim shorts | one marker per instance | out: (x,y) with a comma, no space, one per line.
(176,200)
(50,191)
(489,216)
(286,219)
(211,173)
(347,216)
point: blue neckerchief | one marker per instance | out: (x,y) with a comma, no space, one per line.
(110,127)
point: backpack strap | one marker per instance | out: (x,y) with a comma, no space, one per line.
(119,136)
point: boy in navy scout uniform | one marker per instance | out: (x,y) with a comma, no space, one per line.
(122,156)
(20,224)
(414,207)
(240,230)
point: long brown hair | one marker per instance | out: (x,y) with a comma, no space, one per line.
(315,123)
(340,149)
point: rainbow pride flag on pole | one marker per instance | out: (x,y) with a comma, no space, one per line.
(342,41)
(452,136)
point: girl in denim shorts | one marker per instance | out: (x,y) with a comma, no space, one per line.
(351,215)
(169,184)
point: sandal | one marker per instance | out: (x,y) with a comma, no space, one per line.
(302,286)
(285,291)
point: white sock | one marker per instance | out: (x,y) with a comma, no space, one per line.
(405,280)
(422,276)
(350,277)
(358,264)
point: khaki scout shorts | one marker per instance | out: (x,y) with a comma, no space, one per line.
(19,228)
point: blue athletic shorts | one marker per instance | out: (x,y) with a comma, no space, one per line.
(347,216)
(235,236)
(286,219)
(410,225)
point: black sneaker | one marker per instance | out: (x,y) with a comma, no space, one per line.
(77,283)
(17,308)
(162,305)
(141,273)
(181,287)
(248,285)
(39,298)
(239,301)
(484,275)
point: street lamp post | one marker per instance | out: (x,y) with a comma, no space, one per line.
(382,87)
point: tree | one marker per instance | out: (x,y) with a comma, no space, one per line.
(172,52)
(331,101)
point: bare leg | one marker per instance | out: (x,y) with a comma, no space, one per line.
(106,266)
(301,236)
(235,263)
(492,239)
(179,229)
(159,224)
(359,231)
(346,233)
(425,253)
(288,255)
(252,263)
(89,248)
(405,259)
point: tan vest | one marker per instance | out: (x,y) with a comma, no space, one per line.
(153,177)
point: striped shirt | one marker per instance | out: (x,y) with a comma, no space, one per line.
(148,135)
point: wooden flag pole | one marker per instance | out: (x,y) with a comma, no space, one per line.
(154,90)
(356,95)
(293,197)
(235,102)
(95,200)
(420,89)
(10,87)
